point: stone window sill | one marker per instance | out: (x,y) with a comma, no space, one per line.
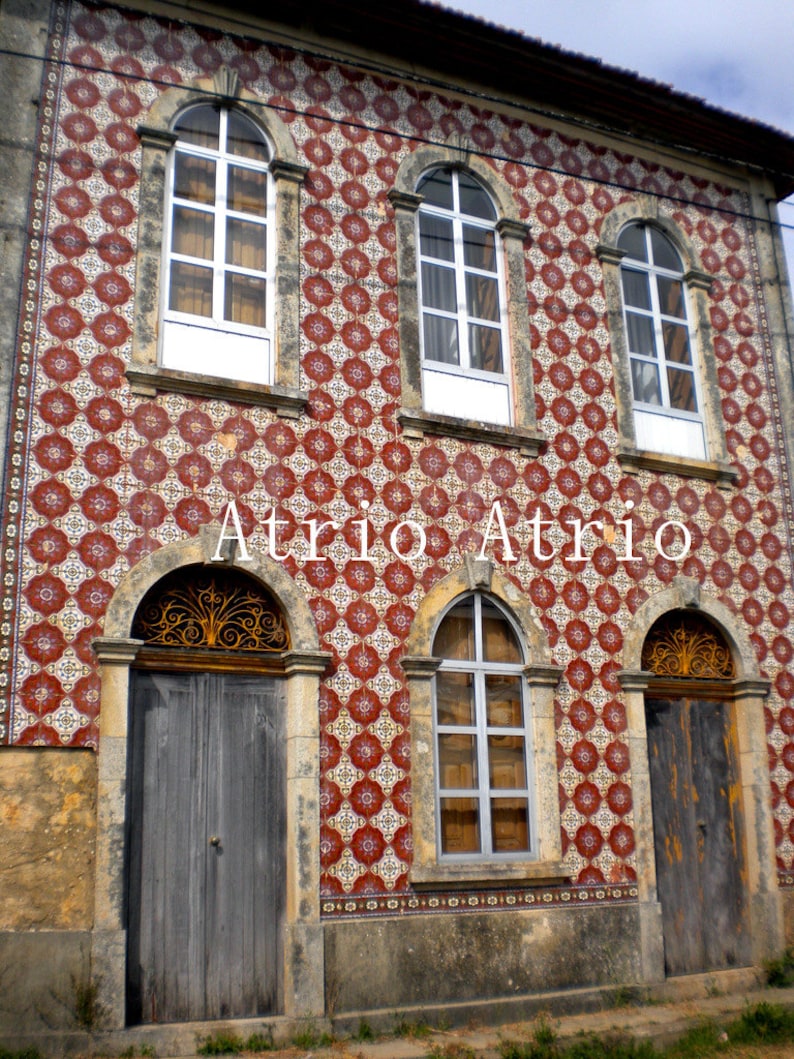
(416,424)
(466,873)
(634,460)
(147,379)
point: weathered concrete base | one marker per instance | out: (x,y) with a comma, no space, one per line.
(42,976)
(787,901)
(447,959)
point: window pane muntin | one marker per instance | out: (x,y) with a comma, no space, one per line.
(671,297)
(441,339)
(193,233)
(510,825)
(436,187)
(455,699)
(479,248)
(676,343)
(195,178)
(682,390)
(455,635)
(436,237)
(472,199)
(636,288)
(632,240)
(457,760)
(246,244)
(506,762)
(645,382)
(663,253)
(500,643)
(503,701)
(247,190)
(641,334)
(244,299)
(244,139)
(439,289)
(190,289)
(460,825)
(482,297)
(200,126)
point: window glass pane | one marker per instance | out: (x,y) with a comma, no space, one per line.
(498,639)
(457,760)
(682,390)
(247,190)
(455,636)
(244,302)
(474,200)
(190,290)
(671,297)
(244,138)
(460,825)
(485,348)
(510,825)
(455,698)
(636,289)
(441,339)
(246,244)
(435,235)
(438,288)
(482,297)
(632,240)
(437,188)
(200,125)
(664,253)
(645,380)
(479,248)
(193,233)
(507,770)
(503,701)
(194,178)
(640,330)
(676,343)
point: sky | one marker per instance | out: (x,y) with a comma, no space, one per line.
(734,54)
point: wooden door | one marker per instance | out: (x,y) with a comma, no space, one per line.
(700,861)
(205,846)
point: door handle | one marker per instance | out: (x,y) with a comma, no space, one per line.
(215,840)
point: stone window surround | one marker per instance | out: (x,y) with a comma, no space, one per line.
(304,664)
(523,436)
(542,679)
(145,375)
(717,468)
(750,690)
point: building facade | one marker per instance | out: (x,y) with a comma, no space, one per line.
(397,516)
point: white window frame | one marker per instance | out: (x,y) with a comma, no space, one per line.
(660,427)
(460,389)
(213,345)
(483,792)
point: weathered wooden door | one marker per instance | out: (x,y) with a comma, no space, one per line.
(205,846)
(700,860)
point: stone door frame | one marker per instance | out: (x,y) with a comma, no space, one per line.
(749,692)
(303,973)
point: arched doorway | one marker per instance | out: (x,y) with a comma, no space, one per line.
(206,804)
(698,821)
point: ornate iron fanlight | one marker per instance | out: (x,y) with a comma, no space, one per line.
(215,609)
(687,645)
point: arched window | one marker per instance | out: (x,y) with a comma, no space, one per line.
(482,735)
(462,300)
(218,290)
(668,413)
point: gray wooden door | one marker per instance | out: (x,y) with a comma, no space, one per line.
(205,846)
(698,835)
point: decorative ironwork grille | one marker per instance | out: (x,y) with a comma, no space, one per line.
(687,645)
(218,609)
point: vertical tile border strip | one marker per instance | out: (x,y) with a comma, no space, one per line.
(21,393)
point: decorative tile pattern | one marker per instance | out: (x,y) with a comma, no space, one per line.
(100,477)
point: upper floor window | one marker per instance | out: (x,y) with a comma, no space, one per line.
(482,735)
(668,414)
(218,290)
(462,300)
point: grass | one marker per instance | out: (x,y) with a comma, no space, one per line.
(780,972)
(231,1044)
(764,1024)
